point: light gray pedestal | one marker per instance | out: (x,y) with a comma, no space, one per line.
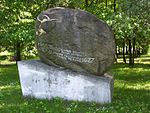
(40,80)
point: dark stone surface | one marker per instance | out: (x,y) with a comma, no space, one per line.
(74,39)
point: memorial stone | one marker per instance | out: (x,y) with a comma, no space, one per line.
(82,45)
(74,39)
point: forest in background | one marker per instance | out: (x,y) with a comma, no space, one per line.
(129,20)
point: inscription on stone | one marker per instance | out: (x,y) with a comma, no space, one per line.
(66,54)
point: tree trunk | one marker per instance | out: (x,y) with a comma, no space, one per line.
(106,3)
(115,6)
(126,50)
(138,52)
(124,57)
(86,3)
(133,50)
(130,53)
(18,51)
(116,55)
(117,52)
(91,3)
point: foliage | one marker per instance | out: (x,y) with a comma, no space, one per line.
(131,93)
(17,25)
(129,20)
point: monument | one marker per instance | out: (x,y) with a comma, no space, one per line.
(76,49)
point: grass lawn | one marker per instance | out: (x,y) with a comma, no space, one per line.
(131,93)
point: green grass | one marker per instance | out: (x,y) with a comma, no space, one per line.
(131,93)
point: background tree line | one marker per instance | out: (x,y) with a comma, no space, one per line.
(129,20)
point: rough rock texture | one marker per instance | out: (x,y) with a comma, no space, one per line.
(40,80)
(74,39)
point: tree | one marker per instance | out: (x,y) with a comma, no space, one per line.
(129,20)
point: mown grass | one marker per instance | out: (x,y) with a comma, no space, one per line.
(131,93)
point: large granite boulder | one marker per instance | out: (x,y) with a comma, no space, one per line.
(74,39)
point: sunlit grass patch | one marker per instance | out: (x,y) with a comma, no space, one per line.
(131,94)
(144,59)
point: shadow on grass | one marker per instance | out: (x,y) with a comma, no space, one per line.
(8,74)
(8,66)
(138,74)
(124,100)
(134,77)
(132,99)
(136,65)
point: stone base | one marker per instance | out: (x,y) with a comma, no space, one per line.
(42,81)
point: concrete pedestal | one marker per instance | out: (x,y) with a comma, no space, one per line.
(42,81)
